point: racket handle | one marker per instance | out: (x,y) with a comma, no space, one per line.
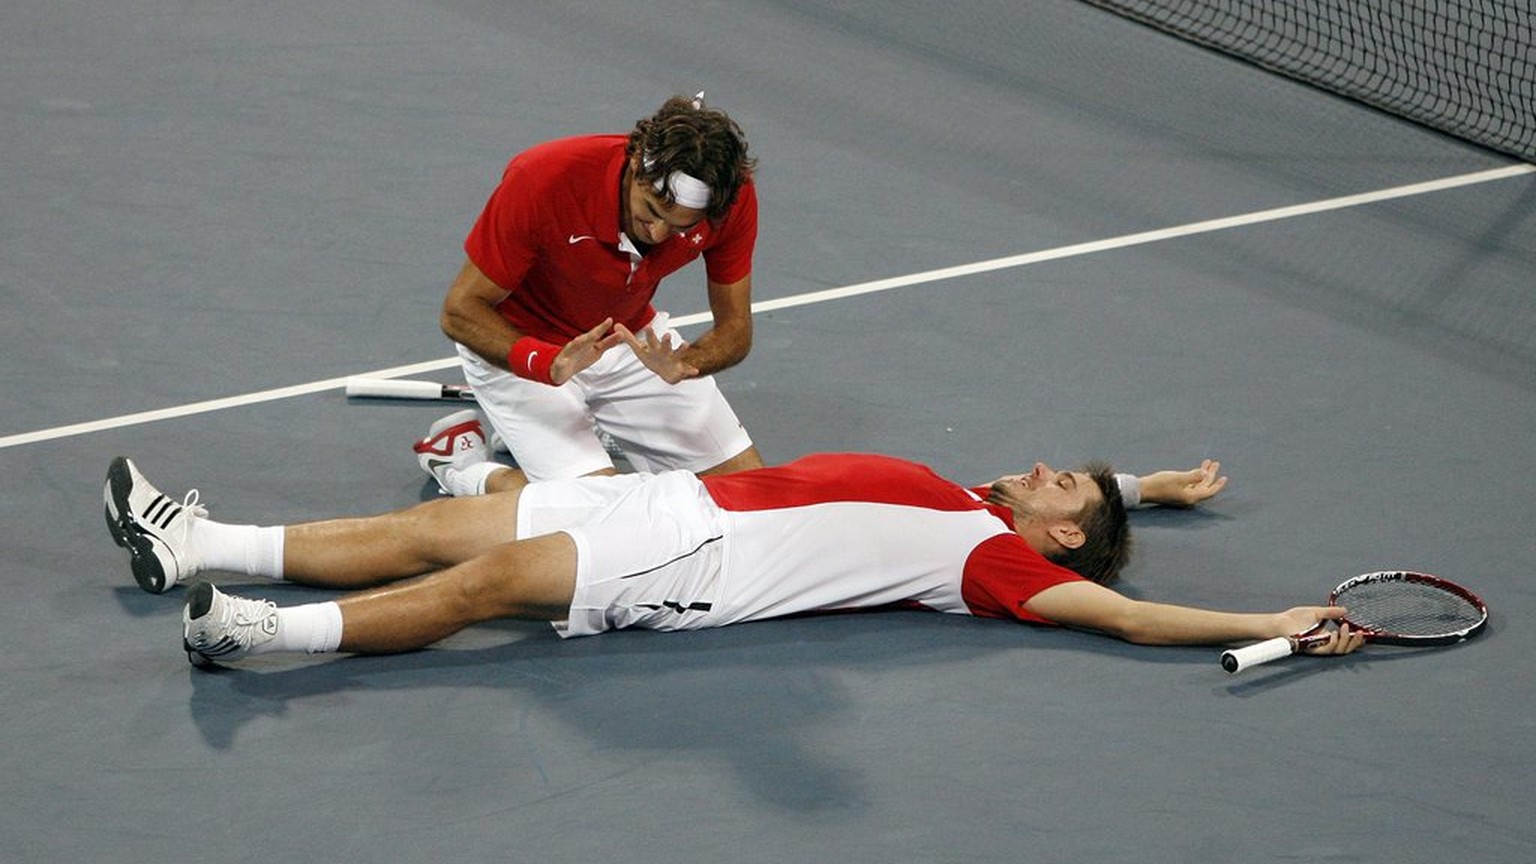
(1238,659)
(397,388)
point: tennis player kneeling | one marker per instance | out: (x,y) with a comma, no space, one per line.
(674,551)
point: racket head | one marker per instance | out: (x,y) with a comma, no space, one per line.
(1407,607)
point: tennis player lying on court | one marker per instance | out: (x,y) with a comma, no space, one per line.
(675,551)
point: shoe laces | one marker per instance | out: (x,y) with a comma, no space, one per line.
(247,612)
(233,628)
(191,501)
(191,507)
(240,618)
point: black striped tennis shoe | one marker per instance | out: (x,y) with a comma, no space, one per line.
(217,626)
(152,527)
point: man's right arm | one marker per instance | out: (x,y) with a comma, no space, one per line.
(469,317)
(1088,606)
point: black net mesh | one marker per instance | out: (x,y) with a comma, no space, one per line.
(1461,66)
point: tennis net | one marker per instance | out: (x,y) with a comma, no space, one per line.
(1461,66)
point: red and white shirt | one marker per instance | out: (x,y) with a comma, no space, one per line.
(550,237)
(846,531)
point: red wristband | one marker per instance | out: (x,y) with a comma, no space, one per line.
(532,358)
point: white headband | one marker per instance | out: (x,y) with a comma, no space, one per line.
(687,190)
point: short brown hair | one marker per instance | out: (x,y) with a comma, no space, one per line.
(1107,546)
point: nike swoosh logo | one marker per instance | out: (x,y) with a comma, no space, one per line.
(577,238)
(531,356)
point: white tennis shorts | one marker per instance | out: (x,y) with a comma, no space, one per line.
(551,431)
(648,549)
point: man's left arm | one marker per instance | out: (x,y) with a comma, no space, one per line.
(730,339)
(1173,488)
(721,347)
(1168,488)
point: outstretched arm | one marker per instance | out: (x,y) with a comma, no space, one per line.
(1174,488)
(1088,606)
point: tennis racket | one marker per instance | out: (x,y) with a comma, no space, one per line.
(403,388)
(1393,607)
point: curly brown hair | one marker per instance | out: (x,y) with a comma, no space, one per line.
(701,142)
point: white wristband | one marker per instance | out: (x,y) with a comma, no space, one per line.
(1130,490)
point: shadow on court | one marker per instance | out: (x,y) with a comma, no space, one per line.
(769,686)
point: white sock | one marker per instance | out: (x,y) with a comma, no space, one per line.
(249,549)
(470,481)
(314,628)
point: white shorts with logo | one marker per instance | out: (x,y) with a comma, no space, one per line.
(551,431)
(648,548)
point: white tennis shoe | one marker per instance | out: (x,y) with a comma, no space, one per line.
(217,626)
(452,444)
(152,527)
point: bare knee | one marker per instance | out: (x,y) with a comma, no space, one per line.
(528,579)
(506,480)
(746,460)
(448,531)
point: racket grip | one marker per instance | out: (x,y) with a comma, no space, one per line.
(1238,659)
(395,388)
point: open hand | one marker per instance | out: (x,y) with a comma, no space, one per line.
(659,355)
(1183,488)
(583,351)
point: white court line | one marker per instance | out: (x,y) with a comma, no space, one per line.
(810,297)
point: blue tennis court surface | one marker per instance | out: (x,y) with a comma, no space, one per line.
(209,201)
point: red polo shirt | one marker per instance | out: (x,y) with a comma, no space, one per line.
(549,236)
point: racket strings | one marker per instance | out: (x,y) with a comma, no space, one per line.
(1409,608)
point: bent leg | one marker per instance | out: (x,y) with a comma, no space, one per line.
(661,427)
(356,552)
(534,579)
(505,479)
(548,430)
(509,479)
(746,460)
